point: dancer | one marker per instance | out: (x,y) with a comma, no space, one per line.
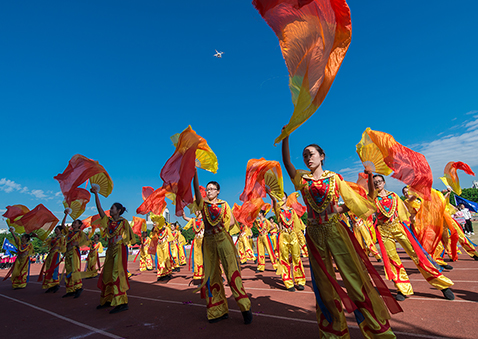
(219,248)
(145,261)
(174,248)
(392,215)
(50,269)
(161,239)
(20,270)
(363,236)
(74,239)
(243,244)
(288,245)
(113,280)
(327,237)
(93,260)
(181,243)
(264,242)
(196,247)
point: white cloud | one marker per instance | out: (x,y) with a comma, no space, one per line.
(471,112)
(9,186)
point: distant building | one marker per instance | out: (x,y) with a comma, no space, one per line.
(475,184)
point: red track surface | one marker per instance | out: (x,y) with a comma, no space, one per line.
(170,309)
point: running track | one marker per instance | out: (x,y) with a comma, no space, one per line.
(171,310)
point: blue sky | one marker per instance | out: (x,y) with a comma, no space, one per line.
(113,80)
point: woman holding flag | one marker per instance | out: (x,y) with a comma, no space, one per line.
(113,280)
(20,271)
(50,269)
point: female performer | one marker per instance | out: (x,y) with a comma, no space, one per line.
(21,267)
(196,247)
(50,269)
(93,260)
(219,248)
(74,239)
(264,243)
(391,215)
(113,280)
(327,238)
(145,261)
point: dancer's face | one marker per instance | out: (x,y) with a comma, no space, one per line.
(312,158)
(212,192)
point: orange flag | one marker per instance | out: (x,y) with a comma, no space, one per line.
(408,166)
(155,202)
(255,177)
(179,170)
(139,225)
(40,220)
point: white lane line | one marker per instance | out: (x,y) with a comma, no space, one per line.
(93,329)
(280,317)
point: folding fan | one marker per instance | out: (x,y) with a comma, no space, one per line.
(371,156)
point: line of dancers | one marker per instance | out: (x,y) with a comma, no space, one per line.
(336,233)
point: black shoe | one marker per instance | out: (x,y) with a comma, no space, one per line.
(379,260)
(447,267)
(69,294)
(475,257)
(49,290)
(292,289)
(19,288)
(119,308)
(215,320)
(448,294)
(300,287)
(400,296)
(55,288)
(257,271)
(247,315)
(105,305)
(78,293)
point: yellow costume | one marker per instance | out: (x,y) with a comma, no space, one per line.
(93,260)
(51,265)
(244,246)
(363,236)
(391,216)
(113,280)
(288,244)
(327,238)
(74,239)
(145,261)
(219,248)
(264,241)
(196,247)
(163,255)
(21,267)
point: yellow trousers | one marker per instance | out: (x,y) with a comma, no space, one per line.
(392,232)
(219,248)
(51,270)
(262,245)
(113,281)
(20,272)
(72,268)
(198,258)
(302,244)
(92,262)
(363,237)
(289,246)
(331,241)
(245,250)
(145,261)
(164,259)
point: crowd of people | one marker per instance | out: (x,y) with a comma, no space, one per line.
(342,228)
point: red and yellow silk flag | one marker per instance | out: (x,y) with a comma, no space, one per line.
(179,170)
(77,201)
(293,203)
(255,178)
(139,226)
(146,192)
(408,166)
(450,177)
(79,170)
(13,214)
(314,36)
(39,220)
(248,212)
(428,225)
(155,202)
